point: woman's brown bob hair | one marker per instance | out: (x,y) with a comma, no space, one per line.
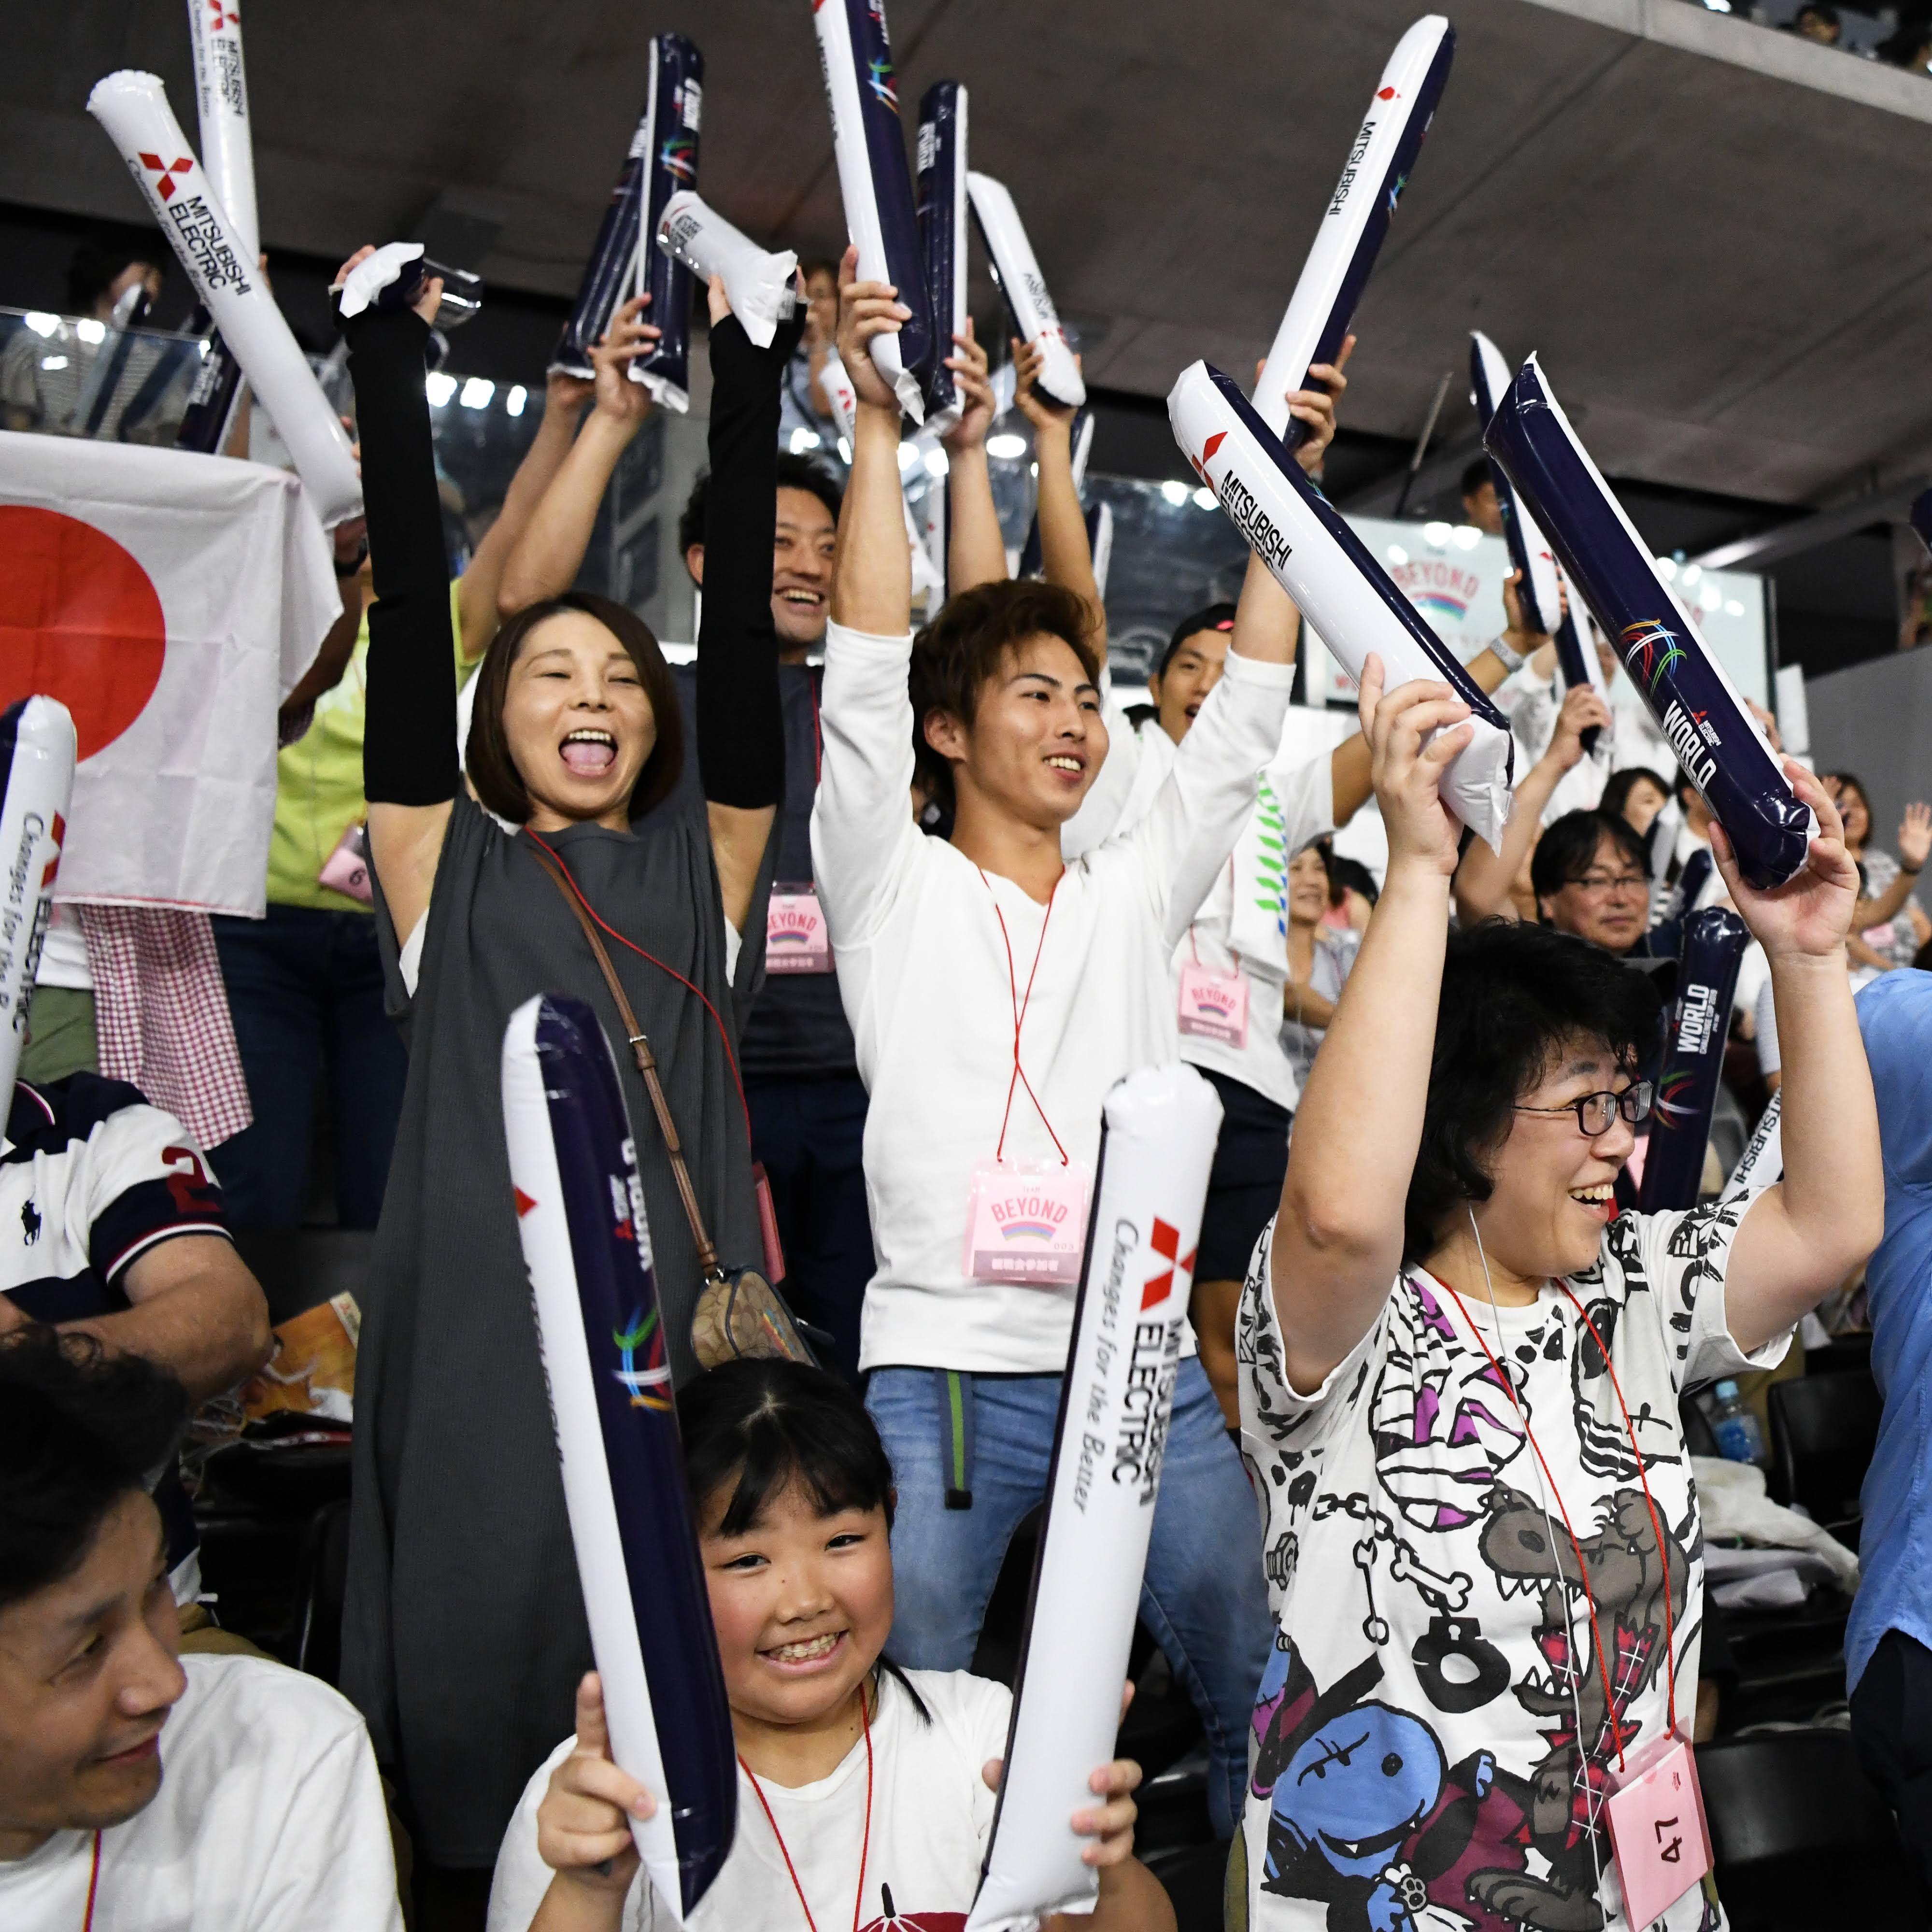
(494,772)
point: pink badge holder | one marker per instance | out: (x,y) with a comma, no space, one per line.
(1658,1834)
(1213,1005)
(346,870)
(1026,1223)
(796,939)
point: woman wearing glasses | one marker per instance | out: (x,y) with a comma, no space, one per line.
(1461,1377)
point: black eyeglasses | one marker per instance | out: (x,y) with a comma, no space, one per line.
(1595,1111)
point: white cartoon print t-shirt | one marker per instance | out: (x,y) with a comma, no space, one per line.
(1436,1726)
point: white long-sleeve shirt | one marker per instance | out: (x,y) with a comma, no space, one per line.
(1138,763)
(923,971)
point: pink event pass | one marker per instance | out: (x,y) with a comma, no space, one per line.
(1657,1832)
(346,870)
(796,941)
(1027,1223)
(1213,1004)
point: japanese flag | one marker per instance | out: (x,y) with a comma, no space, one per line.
(170,601)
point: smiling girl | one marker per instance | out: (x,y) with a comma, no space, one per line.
(459,1569)
(865,1792)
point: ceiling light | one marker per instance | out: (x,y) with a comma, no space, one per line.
(1467,536)
(802,439)
(53,361)
(41,322)
(1435,534)
(1176,493)
(1204,500)
(439,389)
(908,456)
(1397,555)
(91,331)
(1692,572)
(1732,608)
(1710,597)
(936,464)
(844,450)
(1666,568)
(513,404)
(1005,447)
(476,393)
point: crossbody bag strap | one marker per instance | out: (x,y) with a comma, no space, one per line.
(640,1051)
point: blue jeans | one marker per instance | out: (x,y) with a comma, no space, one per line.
(305,988)
(811,1136)
(1203,1597)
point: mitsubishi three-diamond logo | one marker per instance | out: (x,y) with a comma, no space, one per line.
(167,170)
(1165,1242)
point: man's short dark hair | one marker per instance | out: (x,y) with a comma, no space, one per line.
(1513,996)
(956,655)
(1568,849)
(1209,617)
(809,265)
(103,252)
(794,472)
(1475,474)
(79,1429)
(1819,10)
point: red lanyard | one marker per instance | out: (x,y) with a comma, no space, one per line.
(93,1886)
(730,1057)
(1194,950)
(1582,1568)
(1020,1005)
(818,742)
(864,1844)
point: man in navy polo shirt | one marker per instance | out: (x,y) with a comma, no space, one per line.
(111,1223)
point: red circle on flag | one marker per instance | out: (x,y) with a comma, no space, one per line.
(79,621)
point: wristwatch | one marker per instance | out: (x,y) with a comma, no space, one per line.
(355,563)
(1512,660)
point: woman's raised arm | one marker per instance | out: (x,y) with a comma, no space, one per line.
(409,767)
(740,723)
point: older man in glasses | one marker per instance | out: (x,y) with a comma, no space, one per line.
(1590,878)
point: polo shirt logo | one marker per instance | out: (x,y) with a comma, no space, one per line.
(30,1221)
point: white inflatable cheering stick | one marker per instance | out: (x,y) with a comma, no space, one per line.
(1157,1146)
(133,109)
(37,751)
(1016,269)
(757,284)
(1336,584)
(1357,219)
(221,92)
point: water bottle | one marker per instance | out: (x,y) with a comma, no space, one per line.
(1739,1438)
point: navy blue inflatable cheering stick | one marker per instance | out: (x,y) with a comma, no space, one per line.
(1697,706)
(868,146)
(672,99)
(942,238)
(1694,1061)
(587,1245)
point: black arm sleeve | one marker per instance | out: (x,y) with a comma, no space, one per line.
(740,723)
(409,740)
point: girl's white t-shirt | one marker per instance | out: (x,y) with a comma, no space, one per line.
(932,1816)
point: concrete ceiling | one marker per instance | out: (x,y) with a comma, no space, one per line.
(1724,268)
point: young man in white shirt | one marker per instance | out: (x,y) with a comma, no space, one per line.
(141,1792)
(984,971)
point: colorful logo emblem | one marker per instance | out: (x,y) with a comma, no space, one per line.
(649,1385)
(679,156)
(879,79)
(1165,1242)
(1651,650)
(221,17)
(1395,187)
(1439,604)
(1026,1231)
(1671,1106)
(167,170)
(1207,449)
